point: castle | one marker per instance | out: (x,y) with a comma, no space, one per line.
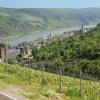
(3,53)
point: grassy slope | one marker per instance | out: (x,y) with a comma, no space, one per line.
(40,85)
(16,21)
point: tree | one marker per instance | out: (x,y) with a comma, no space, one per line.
(19,57)
(34,52)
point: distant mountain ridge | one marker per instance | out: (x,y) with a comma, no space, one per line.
(29,20)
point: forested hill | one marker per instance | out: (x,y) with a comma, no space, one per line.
(72,53)
(24,21)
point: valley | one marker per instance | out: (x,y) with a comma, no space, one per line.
(31,20)
(16,39)
(50,53)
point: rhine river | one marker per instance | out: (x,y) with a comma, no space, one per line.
(30,37)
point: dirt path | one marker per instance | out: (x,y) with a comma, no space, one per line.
(15,92)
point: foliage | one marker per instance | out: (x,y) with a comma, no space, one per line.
(71,53)
(13,74)
(11,61)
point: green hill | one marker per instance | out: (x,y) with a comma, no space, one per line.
(71,54)
(29,20)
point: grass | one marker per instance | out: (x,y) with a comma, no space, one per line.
(44,86)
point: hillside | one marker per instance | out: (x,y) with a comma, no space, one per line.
(69,54)
(35,20)
(28,84)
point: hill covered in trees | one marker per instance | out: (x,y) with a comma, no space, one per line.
(29,20)
(71,54)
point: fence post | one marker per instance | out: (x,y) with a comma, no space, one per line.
(80,82)
(60,79)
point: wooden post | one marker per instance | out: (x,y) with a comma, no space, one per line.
(6,53)
(60,79)
(80,82)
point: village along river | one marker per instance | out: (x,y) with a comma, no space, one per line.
(30,37)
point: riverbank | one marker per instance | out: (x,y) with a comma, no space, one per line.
(9,37)
(15,40)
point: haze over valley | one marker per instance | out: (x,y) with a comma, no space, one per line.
(34,20)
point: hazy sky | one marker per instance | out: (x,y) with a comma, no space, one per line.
(49,3)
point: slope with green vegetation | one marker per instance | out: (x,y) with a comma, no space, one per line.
(29,20)
(38,85)
(71,54)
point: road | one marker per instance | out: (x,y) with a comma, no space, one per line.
(5,97)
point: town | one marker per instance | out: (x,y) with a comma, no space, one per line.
(6,53)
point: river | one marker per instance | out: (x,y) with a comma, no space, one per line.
(30,37)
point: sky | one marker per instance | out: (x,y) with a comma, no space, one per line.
(49,3)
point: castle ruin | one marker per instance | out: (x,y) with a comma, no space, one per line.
(3,53)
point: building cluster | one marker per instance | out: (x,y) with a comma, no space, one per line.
(42,41)
(5,53)
(77,32)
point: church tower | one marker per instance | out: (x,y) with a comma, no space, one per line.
(82,28)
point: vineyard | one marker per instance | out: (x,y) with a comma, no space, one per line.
(68,86)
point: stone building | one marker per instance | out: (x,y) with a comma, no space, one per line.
(3,53)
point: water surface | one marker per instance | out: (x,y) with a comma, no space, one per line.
(30,37)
